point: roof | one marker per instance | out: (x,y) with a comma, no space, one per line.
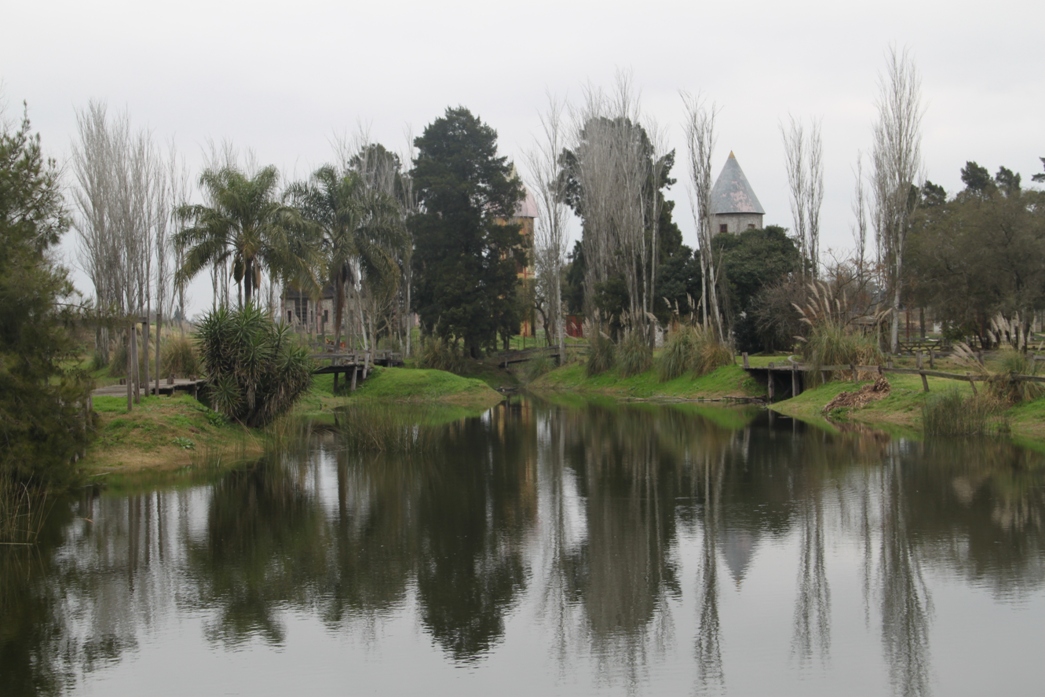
(527,208)
(732,193)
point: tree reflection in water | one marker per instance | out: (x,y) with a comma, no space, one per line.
(580,516)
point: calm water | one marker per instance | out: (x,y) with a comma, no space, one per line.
(546,550)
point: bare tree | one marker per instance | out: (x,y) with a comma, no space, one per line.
(700,142)
(121,201)
(896,158)
(803,157)
(552,214)
(610,165)
(860,211)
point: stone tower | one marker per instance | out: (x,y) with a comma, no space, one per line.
(734,206)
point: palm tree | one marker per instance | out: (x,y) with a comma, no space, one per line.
(245,225)
(359,231)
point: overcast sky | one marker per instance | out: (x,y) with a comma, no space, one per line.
(285,79)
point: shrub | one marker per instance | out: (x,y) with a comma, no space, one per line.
(437,354)
(179,357)
(951,413)
(634,354)
(679,355)
(602,353)
(1003,384)
(255,370)
(692,350)
(538,367)
(830,343)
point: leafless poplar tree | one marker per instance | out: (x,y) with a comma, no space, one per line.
(120,197)
(860,211)
(700,142)
(612,170)
(803,157)
(896,159)
(552,215)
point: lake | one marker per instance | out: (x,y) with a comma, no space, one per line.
(572,549)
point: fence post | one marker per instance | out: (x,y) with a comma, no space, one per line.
(925,382)
(930,358)
(973,383)
(794,380)
(769,382)
(744,356)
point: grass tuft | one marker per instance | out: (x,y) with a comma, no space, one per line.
(952,413)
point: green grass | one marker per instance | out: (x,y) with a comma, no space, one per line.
(727,381)
(163,433)
(901,412)
(401,385)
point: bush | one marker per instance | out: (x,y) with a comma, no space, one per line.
(255,369)
(180,358)
(1005,388)
(602,353)
(830,343)
(437,354)
(634,354)
(692,350)
(953,414)
(538,367)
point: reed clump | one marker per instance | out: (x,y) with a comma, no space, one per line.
(952,413)
(634,354)
(538,367)
(437,354)
(23,510)
(386,428)
(692,349)
(180,357)
(1005,385)
(602,352)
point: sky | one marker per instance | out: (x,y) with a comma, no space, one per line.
(286,80)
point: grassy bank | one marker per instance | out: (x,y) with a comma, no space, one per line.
(726,382)
(164,434)
(901,410)
(402,386)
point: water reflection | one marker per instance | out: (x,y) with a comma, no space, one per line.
(620,537)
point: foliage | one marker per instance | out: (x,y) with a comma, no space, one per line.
(952,413)
(245,226)
(979,254)
(692,349)
(254,369)
(602,352)
(634,354)
(466,250)
(437,354)
(538,367)
(837,330)
(43,420)
(359,218)
(180,357)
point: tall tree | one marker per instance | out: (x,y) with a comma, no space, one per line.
(700,141)
(466,251)
(615,176)
(550,243)
(897,161)
(245,225)
(43,424)
(803,154)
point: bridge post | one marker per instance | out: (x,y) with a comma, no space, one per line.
(769,382)
(794,380)
(744,356)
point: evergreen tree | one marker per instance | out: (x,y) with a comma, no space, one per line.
(466,252)
(42,416)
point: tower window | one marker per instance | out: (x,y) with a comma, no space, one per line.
(723,228)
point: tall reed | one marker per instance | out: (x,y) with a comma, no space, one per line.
(951,413)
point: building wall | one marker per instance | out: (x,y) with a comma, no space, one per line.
(736,222)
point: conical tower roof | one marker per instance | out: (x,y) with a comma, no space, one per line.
(732,193)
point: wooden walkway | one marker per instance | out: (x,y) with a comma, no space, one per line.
(166,388)
(506,358)
(788,379)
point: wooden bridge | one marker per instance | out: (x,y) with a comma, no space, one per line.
(353,365)
(506,358)
(789,378)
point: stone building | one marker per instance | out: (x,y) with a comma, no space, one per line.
(734,206)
